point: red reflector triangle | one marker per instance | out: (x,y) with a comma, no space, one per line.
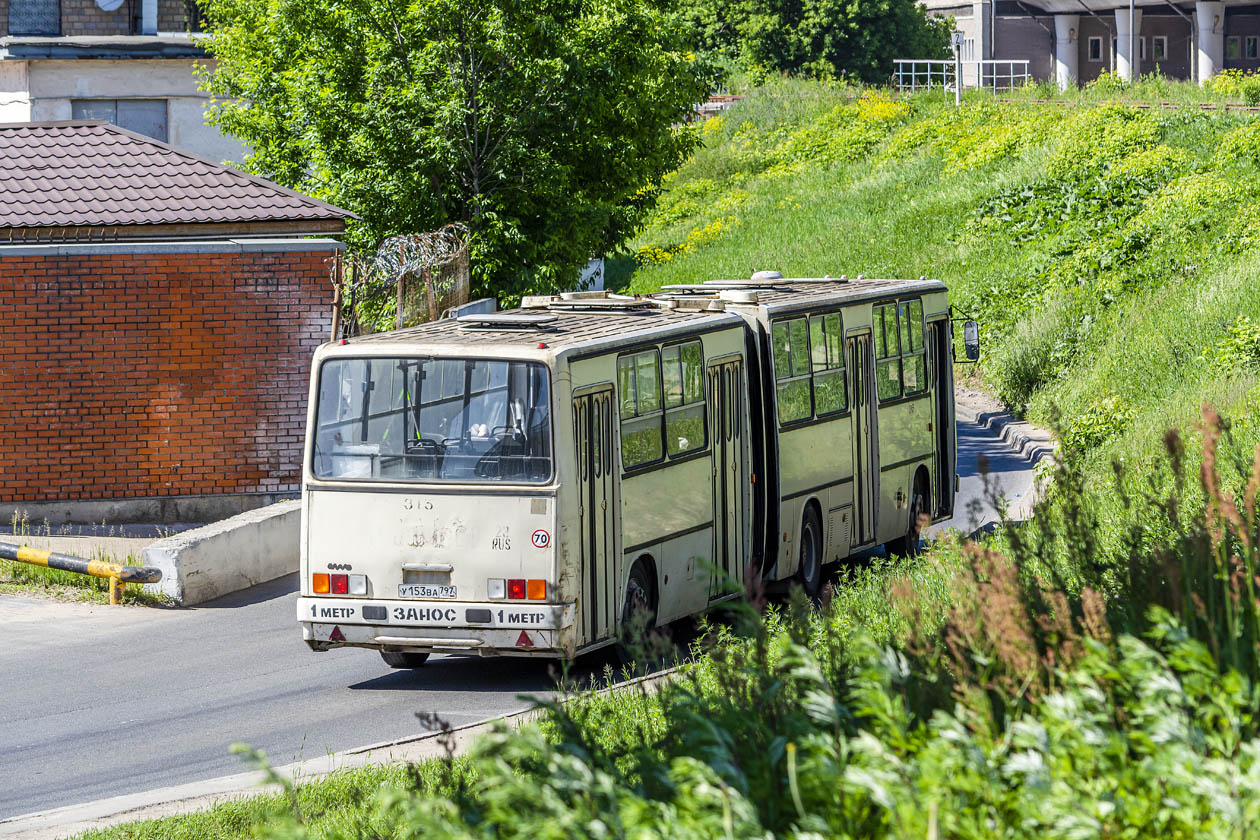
(336,635)
(524,641)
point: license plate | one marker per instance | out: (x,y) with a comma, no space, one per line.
(424,590)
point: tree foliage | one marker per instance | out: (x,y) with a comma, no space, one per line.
(823,38)
(546,126)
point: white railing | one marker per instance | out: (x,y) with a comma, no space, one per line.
(915,74)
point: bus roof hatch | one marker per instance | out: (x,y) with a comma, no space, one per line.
(507,321)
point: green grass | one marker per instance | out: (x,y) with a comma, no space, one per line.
(332,806)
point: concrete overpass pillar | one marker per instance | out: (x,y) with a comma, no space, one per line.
(1127,66)
(1210,18)
(1066,50)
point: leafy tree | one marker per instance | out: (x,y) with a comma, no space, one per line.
(544,125)
(853,38)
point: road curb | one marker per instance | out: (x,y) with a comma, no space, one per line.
(1030,441)
(191,797)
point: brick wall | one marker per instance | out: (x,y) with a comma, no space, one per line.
(176,15)
(130,375)
(4,18)
(84,17)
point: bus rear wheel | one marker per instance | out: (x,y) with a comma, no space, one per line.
(908,546)
(809,573)
(638,618)
(404,658)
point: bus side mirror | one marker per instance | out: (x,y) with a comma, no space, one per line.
(971,340)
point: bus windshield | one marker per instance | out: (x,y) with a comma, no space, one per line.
(433,420)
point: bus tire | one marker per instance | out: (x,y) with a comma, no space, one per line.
(404,658)
(809,572)
(908,546)
(639,613)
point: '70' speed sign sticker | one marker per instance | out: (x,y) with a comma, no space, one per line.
(540,538)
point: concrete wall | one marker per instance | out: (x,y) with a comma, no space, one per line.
(1242,25)
(237,553)
(152,370)
(1176,29)
(1027,38)
(52,84)
(1095,27)
(15,97)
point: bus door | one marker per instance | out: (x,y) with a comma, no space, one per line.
(940,365)
(597,512)
(726,413)
(865,435)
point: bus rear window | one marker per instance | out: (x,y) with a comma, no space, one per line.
(433,420)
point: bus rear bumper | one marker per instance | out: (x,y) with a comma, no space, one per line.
(493,628)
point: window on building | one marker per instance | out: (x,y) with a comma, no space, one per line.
(1095,49)
(1160,44)
(34,17)
(1252,45)
(1233,48)
(1141,43)
(682,366)
(639,397)
(143,116)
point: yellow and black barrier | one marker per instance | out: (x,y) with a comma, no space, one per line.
(117,574)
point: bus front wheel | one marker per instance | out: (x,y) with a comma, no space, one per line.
(809,573)
(404,658)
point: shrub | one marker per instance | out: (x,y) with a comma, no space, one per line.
(1105,417)
(1250,89)
(1107,82)
(1239,349)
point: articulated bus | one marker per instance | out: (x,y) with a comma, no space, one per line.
(522,482)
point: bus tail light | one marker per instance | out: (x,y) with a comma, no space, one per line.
(537,590)
(319,584)
(358,584)
(496,588)
(340,585)
(516,589)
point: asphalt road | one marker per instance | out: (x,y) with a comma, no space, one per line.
(97,702)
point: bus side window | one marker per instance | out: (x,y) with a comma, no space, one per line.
(913,363)
(826,345)
(887,353)
(790,344)
(683,369)
(639,398)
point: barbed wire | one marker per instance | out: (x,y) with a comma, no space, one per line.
(368,281)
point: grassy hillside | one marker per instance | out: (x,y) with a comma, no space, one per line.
(1109,251)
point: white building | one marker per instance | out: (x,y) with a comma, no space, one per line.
(1074,41)
(130,62)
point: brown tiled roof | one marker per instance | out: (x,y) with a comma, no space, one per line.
(93,174)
